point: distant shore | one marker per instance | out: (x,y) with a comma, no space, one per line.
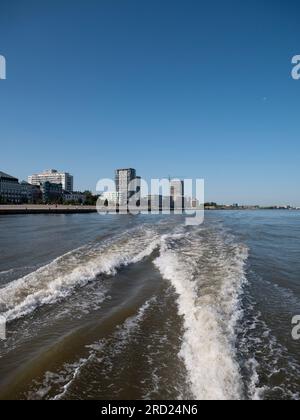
(45,209)
(10,209)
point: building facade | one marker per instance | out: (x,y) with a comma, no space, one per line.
(74,197)
(111,197)
(123,178)
(177,194)
(52,193)
(54,177)
(10,190)
(32,194)
(155,202)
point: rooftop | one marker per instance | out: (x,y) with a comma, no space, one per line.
(125,169)
(4,175)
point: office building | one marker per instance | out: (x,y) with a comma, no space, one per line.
(10,189)
(31,193)
(54,177)
(52,193)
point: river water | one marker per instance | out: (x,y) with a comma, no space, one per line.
(144,307)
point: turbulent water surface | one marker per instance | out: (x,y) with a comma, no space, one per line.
(136,307)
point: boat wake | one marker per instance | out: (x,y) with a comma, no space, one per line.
(205,267)
(207,275)
(61,277)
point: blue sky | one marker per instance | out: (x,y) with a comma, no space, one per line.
(182,88)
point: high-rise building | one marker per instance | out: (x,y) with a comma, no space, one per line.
(54,177)
(123,178)
(177,194)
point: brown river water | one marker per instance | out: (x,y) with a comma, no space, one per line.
(144,307)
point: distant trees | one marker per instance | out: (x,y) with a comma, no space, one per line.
(90,200)
(212,204)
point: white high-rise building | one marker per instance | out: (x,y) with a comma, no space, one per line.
(123,179)
(54,177)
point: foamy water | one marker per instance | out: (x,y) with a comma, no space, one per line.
(210,308)
(150,309)
(57,280)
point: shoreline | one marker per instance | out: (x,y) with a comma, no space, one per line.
(44,209)
(63,209)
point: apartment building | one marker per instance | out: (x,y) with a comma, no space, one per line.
(54,177)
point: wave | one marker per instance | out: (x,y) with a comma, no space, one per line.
(60,383)
(61,277)
(207,272)
(257,338)
(6,272)
(205,266)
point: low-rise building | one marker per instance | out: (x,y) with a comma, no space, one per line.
(74,197)
(111,197)
(32,194)
(10,189)
(110,200)
(154,202)
(124,183)
(195,203)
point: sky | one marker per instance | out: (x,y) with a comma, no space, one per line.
(180,88)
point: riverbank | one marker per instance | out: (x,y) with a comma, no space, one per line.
(45,209)
(71,209)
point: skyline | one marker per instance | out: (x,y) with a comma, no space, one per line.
(156,87)
(98,192)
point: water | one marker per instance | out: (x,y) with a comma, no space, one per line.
(123,307)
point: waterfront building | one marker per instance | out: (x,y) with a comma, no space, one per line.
(32,194)
(14,192)
(155,202)
(74,197)
(52,193)
(123,178)
(177,194)
(109,200)
(54,177)
(10,189)
(111,197)
(195,203)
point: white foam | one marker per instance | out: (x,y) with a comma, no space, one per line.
(255,392)
(77,367)
(58,279)
(7,271)
(209,318)
(257,340)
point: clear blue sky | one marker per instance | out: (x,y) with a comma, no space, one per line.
(171,87)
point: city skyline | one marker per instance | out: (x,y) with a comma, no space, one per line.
(53,176)
(158,88)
